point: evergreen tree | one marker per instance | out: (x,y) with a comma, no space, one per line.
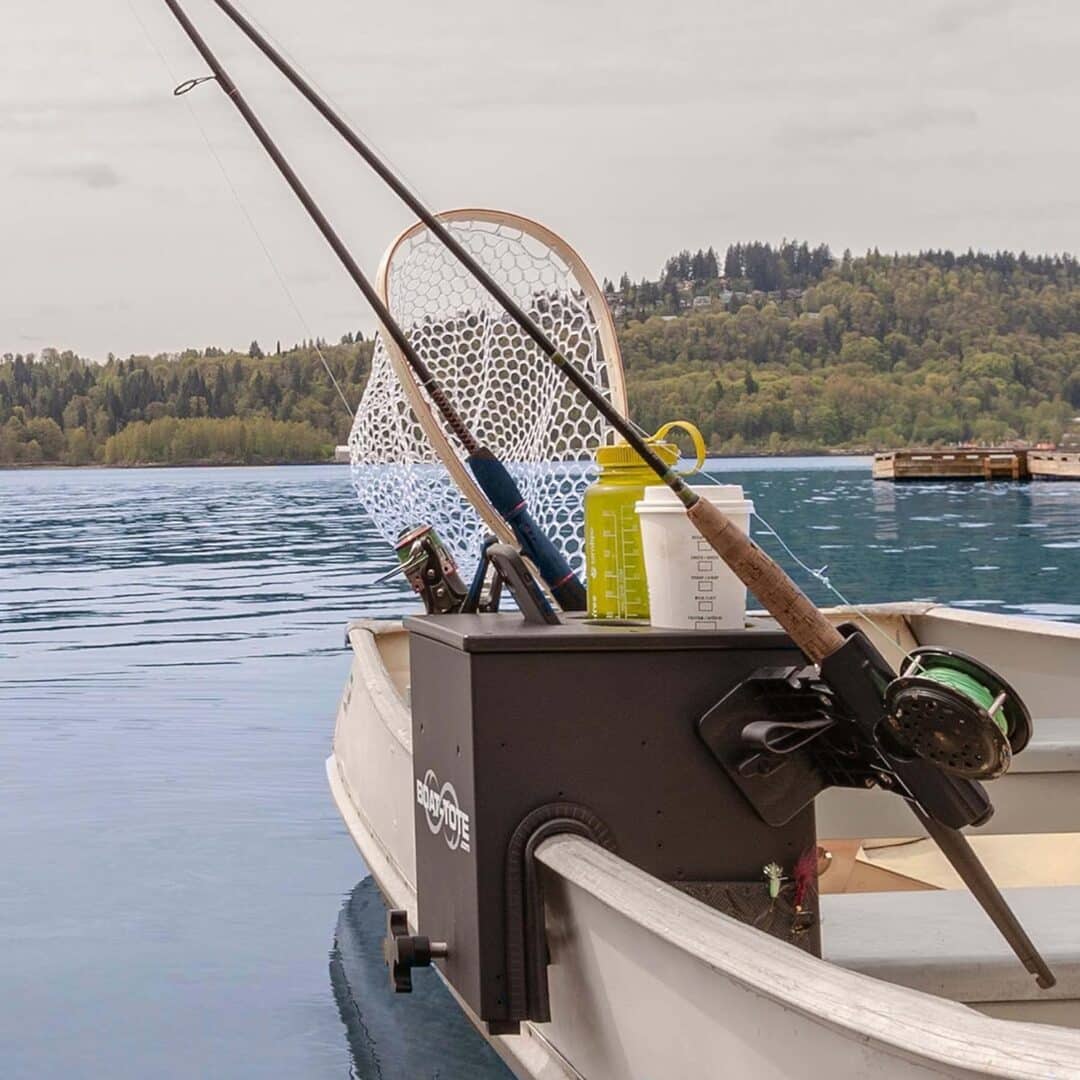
(881,350)
(733,262)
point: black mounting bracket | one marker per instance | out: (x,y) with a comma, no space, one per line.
(783,735)
(526,942)
(507,567)
(762,732)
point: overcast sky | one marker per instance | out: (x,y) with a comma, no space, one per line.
(634,128)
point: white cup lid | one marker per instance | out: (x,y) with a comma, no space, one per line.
(660,496)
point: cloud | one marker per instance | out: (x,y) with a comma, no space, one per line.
(73,113)
(848,132)
(95,174)
(772,117)
(955,17)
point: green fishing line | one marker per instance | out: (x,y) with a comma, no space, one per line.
(971,688)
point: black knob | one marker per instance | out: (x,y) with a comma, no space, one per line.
(403,951)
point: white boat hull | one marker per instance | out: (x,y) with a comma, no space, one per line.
(647,982)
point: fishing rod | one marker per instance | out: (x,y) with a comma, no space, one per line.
(848,663)
(783,599)
(399,188)
(492,476)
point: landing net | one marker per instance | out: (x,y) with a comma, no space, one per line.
(408,469)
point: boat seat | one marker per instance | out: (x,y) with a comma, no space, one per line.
(942,943)
(1039,794)
(1054,747)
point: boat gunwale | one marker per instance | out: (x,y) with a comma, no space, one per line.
(362,635)
(946,1032)
(1000,620)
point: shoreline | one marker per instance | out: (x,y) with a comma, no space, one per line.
(26,466)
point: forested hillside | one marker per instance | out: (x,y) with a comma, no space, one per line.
(769,348)
(204,405)
(877,351)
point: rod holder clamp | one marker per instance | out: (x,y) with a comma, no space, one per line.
(403,951)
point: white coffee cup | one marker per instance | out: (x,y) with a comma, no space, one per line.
(690,586)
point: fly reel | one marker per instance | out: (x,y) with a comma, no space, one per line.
(948,709)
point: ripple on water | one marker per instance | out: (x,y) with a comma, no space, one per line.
(1066,612)
(173,655)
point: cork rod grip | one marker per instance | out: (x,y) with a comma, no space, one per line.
(783,599)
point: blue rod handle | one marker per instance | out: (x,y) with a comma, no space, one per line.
(504,494)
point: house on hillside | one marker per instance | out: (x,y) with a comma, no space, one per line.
(1070,440)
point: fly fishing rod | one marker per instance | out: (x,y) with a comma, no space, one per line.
(848,663)
(492,476)
(783,599)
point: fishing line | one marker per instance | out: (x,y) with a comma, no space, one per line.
(963,682)
(822,576)
(970,687)
(276,42)
(181,89)
(490,473)
(628,429)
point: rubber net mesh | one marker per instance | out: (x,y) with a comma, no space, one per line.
(512,398)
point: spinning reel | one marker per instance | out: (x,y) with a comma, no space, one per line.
(432,572)
(948,709)
(430,569)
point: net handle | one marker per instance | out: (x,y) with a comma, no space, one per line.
(421,407)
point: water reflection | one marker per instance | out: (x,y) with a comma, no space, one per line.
(397,1036)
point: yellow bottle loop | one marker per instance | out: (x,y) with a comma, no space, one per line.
(695,437)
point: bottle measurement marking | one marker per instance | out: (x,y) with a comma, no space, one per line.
(624,573)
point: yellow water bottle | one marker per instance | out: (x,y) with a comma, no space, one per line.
(615,564)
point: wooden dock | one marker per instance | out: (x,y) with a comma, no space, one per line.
(977,463)
(1053,465)
(967,463)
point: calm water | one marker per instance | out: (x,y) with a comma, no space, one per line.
(170,659)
